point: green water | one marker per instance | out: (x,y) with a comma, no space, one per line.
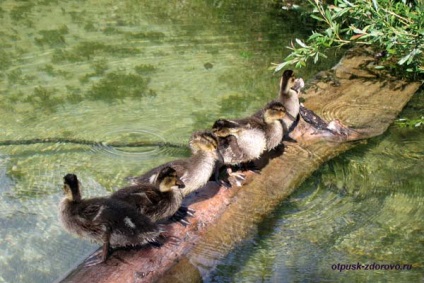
(123,71)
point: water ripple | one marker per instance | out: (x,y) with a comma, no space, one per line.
(140,144)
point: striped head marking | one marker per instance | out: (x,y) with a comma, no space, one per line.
(203,141)
(168,179)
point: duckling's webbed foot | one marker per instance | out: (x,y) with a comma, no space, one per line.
(157,242)
(173,240)
(235,178)
(220,179)
(182,213)
(96,258)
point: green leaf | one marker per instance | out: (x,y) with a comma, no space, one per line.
(403,59)
(279,67)
(317,18)
(374,2)
(300,42)
(316,58)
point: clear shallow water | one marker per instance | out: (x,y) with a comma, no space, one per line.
(120,72)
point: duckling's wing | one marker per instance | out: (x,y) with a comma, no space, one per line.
(229,148)
(92,210)
(152,197)
(125,219)
(257,123)
(138,196)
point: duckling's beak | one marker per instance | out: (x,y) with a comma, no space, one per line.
(298,85)
(180,183)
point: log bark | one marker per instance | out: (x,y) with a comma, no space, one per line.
(363,99)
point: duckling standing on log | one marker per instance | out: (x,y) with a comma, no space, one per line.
(244,140)
(240,141)
(158,201)
(194,171)
(289,96)
(104,220)
(269,121)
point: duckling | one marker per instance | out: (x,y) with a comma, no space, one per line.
(194,171)
(289,96)
(240,140)
(104,220)
(158,201)
(270,122)
(244,140)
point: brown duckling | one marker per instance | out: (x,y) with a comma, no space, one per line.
(104,220)
(159,200)
(244,140)
(194,171)
(289,96)
(240,140)
(270,122)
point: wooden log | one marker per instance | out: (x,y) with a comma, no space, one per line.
(362,99)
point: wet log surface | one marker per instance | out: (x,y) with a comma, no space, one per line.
(365,101)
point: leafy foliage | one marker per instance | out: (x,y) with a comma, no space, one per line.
(394,29)
(409,123)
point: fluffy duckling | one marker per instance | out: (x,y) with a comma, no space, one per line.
(194,171)
(289,96)
(104,220)
(158,201)
(240,141)
(244,140)
(269,121)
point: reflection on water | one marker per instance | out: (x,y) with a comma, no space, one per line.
(115,72)
(365,206)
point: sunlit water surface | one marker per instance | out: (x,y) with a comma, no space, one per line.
(117,72)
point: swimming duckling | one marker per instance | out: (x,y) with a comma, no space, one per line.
(289,96)
(104,220)
(194,171)
(158,201)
